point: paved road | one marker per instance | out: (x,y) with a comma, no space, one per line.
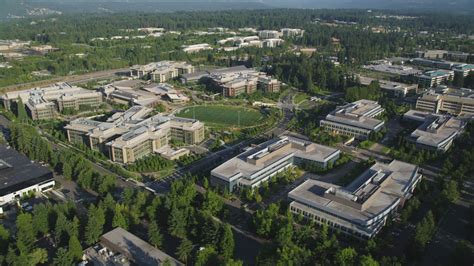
(70,79)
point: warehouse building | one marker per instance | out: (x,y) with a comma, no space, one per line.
(20,176)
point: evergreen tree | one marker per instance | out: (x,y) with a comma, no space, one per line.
(95,224)
(25,233)
(63,258)
(119,219)
(184,250)
(226,243)
(21,111)
(75,248)
(154,235)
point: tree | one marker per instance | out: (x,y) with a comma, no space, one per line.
(61,229)
(4,238)
(40,221)
(21,111)
(119,219)
(95,224)
(154,235)
(67,170)
(25,233)
(450,191)
(367,260)
(206,256)
(346,257)
(63,258)
(226,243)
(212,202)
(75,248)
(184,250)
(38,256)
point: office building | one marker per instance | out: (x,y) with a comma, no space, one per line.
(128,136)
(272,43)
(292,33)
(268,84)
(258,164)
(120,247)
(162,71)
(436,132)
(269,34)
(43,103)
(20,176)
(196,48)
(463,69)
(435,77)
(237,80)
(361,208)
(441,64)
(355,119)
(447,100)
(393,89)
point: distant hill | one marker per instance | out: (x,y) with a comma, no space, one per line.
(24,8)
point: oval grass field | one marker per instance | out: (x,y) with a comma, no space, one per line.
(221,116)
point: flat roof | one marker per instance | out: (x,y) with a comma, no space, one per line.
(378,188)
(135,249)
(17,171)
(435,129)
(271,151)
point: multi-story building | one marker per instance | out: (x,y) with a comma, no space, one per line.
(436,132)
(394,89)
(435,77)
(238,80)
(463,69)
(269,34)
(162,71)
(273,42)
(20,176)
(355,119)
(128,136)
(433,63)
(269,84)
(43,103)
(446,100)
(292,33)
(196,48)
(361,208)
(258,164)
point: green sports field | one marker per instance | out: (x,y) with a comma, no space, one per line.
(220,115)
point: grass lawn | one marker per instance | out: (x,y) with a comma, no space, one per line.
(300,97)
(221,116)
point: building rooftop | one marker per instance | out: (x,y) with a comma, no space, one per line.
(435,130)
(267,153)
(135,249)
(377,189)
(18,171)
(359,114)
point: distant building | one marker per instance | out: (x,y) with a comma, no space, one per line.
(252,167)
(433,63)
(292,33)
(20,176)
(446,100)
(162,71)
(272,43)
(361,208)
(463,69)
(394,89)
(120,247)
(355,119)
(128,136)
(43,103)
(237,80)
(435,77)
(269,34)
(436,132)
(196,48)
